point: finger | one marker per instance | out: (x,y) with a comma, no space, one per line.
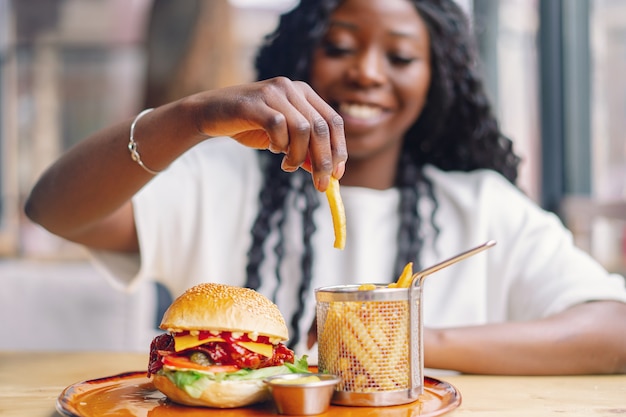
(306,165)
(288,126)
(337,142)
(295,121)
(265,107)
(290,129)
(309,134)
(327,150)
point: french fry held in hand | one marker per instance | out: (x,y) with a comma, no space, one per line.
(337,212)
(404,281)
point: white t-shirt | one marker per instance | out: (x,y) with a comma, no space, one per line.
(194,223)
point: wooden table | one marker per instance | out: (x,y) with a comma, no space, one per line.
(31,382)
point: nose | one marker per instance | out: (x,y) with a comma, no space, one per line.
(368,68)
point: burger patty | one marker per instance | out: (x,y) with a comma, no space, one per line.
(220,353)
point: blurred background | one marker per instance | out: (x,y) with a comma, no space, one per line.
(555,71)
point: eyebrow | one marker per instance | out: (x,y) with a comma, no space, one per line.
(353,27)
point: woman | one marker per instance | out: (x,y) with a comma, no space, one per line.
(429,175)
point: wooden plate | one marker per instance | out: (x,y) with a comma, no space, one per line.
(133,395)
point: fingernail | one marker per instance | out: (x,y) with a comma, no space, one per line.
(287,167)
(340,169)
(322,182)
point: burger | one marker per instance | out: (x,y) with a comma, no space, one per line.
(221,342)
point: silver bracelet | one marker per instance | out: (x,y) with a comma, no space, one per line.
(132,145)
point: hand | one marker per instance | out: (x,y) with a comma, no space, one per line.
(283,116)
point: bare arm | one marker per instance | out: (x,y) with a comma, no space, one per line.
(586,339)
(85,196)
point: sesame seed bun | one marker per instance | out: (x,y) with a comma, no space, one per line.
(220,307)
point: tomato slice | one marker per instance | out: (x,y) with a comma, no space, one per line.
(184,363)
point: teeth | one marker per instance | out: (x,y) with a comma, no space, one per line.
(361,111)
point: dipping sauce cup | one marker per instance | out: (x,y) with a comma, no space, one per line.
(302,394)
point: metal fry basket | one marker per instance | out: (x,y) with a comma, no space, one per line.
(373,340)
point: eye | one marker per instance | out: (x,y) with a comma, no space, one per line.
(336,50)
(401,60)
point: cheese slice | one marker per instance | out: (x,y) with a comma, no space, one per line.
(188,341)
(260,348)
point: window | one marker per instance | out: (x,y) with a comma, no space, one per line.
(507,34)
(608,100)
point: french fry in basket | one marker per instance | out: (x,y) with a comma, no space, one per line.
(367,287)
(328,335)
(363,348)
(404,281)
(337,211)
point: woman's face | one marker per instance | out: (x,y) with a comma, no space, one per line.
(373,67)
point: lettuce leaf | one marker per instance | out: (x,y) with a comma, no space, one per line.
(190,382)
(195,382)
(300,366)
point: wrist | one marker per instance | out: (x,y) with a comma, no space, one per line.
(193,110)
(132,144)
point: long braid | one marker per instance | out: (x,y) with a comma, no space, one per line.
(409,241)
(311,203)
(412,185)
(272,198)
(272,216)
(279,248)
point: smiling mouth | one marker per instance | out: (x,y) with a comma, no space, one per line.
(360,111)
